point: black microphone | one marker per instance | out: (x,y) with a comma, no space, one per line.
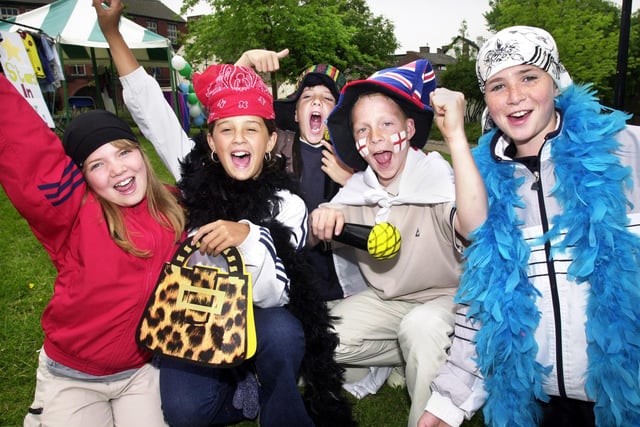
(381,241)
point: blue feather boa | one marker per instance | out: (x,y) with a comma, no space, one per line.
(496,287)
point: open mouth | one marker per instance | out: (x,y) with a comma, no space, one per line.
(519,114)
(124,186)
(241,159)
(383,158)
(315,122)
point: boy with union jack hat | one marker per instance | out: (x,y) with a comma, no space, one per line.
(399,312)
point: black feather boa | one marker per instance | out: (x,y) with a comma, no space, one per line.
(210,194)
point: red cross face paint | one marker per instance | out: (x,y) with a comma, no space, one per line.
(398,141)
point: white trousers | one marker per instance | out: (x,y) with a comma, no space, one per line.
(375,332)
(67,402)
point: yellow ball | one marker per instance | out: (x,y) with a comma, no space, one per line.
(384,241)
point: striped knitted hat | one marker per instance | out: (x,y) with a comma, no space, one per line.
(315,75)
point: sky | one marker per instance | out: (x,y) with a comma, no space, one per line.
(417,23)
(432,23)
(435,23)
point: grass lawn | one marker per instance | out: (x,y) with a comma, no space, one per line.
(26,284)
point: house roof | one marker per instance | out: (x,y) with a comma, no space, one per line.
(31,2)
(436,58)
(144,8)
(152,9)
(440,58)
(460,40)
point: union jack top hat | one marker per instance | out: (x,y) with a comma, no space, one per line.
(409,85)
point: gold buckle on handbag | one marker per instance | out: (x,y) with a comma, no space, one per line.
(214,308)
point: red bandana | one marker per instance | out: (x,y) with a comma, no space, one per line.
(229,90)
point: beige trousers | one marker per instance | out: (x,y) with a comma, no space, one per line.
(375,332)
(67,402)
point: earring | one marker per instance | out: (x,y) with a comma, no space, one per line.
(267,156)
(214,157)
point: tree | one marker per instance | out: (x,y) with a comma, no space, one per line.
(461,77)
(373,41)
(586,32)
(342,33)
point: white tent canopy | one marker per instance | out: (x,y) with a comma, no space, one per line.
(73,25)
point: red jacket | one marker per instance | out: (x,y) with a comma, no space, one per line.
(100,291)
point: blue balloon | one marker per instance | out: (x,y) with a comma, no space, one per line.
(184,87)
(198,121)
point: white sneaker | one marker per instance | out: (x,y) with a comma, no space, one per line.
(371,382)
(397,378)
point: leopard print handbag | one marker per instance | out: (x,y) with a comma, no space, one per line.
(201,314)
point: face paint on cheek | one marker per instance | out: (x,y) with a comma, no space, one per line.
(399,141)
(361,146)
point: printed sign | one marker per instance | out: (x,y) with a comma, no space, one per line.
(18,69)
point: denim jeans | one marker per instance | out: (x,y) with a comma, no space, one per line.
(194,396)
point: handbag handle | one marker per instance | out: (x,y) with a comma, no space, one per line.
(231,255)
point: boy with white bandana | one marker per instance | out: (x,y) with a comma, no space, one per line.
(551,281)
(398,312)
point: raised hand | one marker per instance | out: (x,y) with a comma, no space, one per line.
(262,60)
(448,107)
(333,167)
(108,17)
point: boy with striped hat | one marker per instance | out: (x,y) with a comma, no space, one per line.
(400,311)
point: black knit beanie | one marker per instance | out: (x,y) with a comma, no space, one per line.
(90,131)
